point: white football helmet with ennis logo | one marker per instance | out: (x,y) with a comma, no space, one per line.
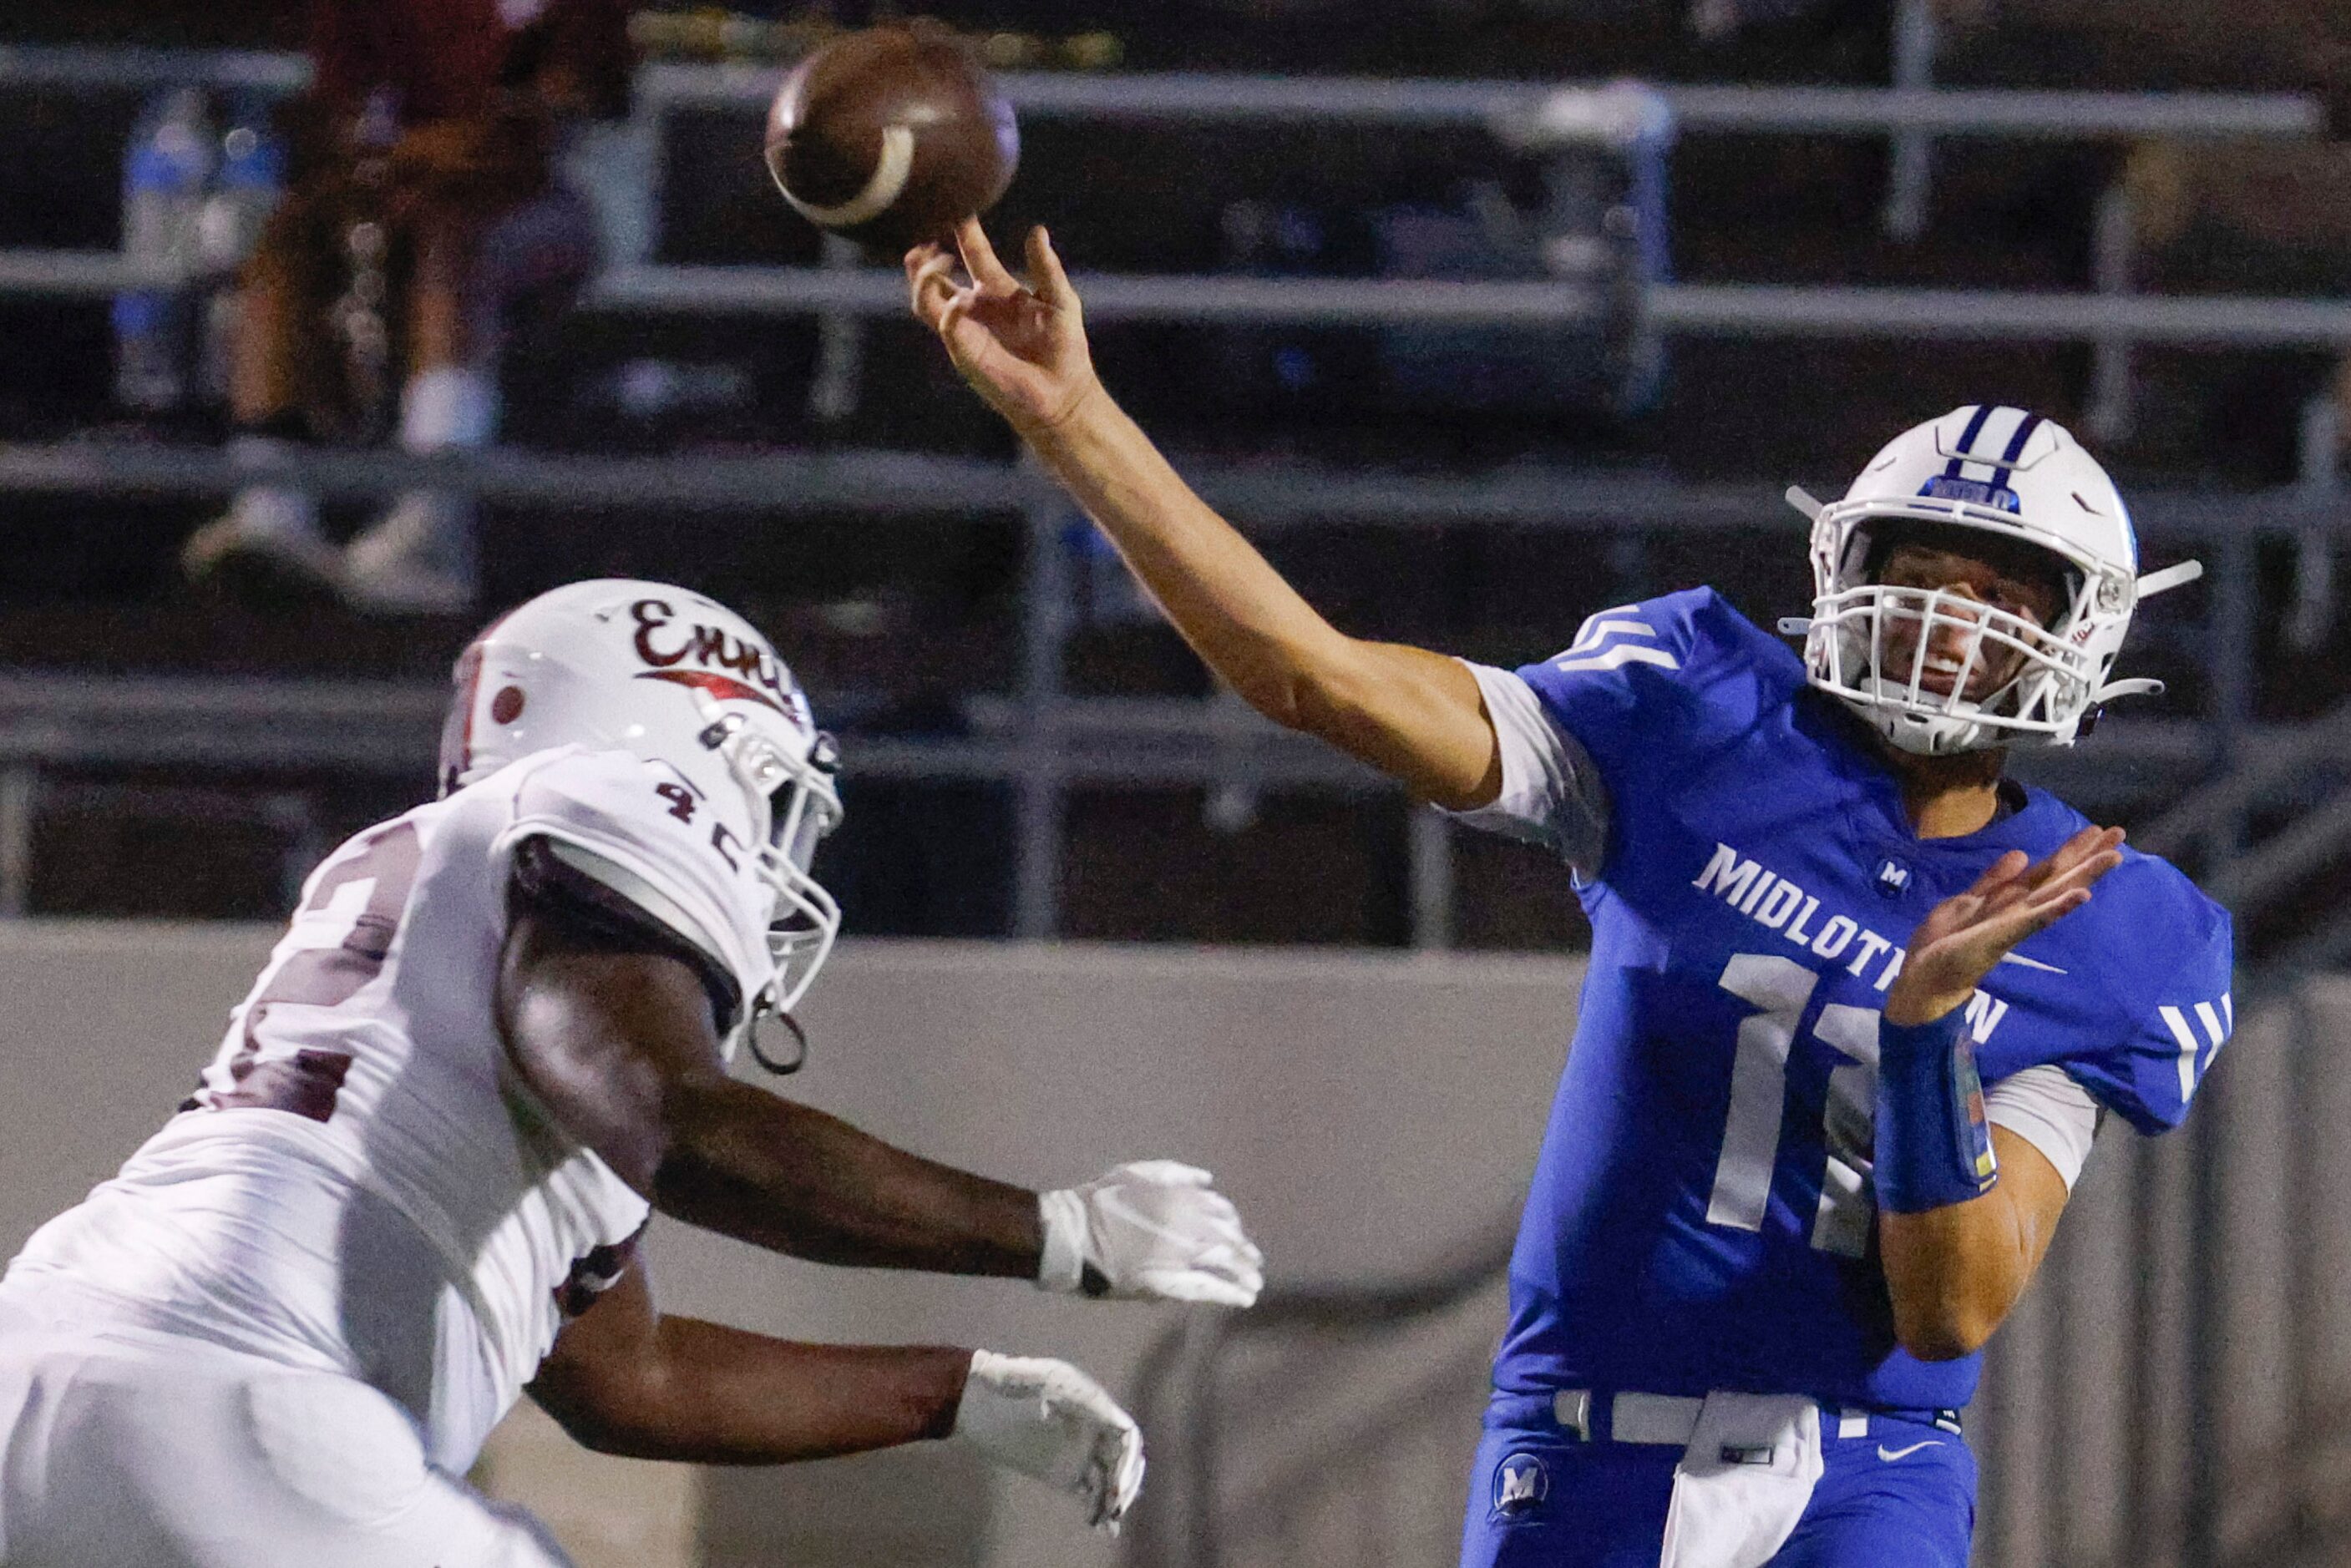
(674,678)
(2002,471)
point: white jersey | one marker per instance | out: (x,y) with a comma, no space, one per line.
(362,1184)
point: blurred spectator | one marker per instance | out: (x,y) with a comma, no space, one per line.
(422,222)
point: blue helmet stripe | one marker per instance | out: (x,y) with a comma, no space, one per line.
(2015,448)
(1976,418)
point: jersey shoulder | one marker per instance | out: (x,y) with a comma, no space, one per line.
(1672,632)
(1645,685)
(2159,955)
(2147,914)
(644,833)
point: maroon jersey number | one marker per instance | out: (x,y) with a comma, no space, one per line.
(308,1082)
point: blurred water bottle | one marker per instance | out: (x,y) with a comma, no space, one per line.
(164,175)
(244,192)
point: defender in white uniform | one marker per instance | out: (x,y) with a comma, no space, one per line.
(412,1181)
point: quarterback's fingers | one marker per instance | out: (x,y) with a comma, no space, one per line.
(1999,872)
(929,257)
(2083,847)
(2081,873)
(919,258)
(952,314)
(2080,879)
(979,259)
(930,284)
(2082,861)
(1044,267)
(2003,931)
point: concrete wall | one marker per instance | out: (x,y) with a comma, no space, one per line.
(1367,1111)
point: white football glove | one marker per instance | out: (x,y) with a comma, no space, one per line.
(1154,1227)
(1048,1420)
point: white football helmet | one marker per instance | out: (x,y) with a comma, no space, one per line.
(2006,472)
(671,676)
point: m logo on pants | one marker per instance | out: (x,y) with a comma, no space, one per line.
(1520,1482)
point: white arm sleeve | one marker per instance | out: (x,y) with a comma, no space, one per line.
(1551,793)
(2045,1107)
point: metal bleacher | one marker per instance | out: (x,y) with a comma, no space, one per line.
(1043,742)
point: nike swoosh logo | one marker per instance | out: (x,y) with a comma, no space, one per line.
(1890,1455)
(2031,963)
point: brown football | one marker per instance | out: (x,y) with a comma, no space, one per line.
(891,135)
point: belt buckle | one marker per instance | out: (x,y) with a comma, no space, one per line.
(1571,1408)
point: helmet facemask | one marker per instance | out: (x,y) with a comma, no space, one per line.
(1940,668)
(800,804)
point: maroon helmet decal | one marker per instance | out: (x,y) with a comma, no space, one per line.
(725,688)
(752,674)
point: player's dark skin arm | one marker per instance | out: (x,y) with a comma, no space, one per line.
(625,1378)
(621,1046)
(1955,1272)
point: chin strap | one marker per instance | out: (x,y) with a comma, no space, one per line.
(782,1067)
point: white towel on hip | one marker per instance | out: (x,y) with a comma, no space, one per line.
(1743,1483)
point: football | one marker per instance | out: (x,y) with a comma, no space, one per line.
(891,135)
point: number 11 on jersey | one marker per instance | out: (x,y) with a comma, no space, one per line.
(1780,987)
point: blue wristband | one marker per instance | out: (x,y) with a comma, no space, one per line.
(1934,1145)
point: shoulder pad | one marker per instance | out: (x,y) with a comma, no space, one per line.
(644,833)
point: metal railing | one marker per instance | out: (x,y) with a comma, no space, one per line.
(1912,115)
(1042,741)
(1048,740)
(1192,97)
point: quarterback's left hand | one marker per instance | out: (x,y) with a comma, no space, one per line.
(1962,940)
(1156,1228)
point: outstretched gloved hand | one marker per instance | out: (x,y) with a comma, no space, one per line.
(1152,1229)
(1048,1420)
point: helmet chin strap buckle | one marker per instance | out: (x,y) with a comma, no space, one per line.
(1804,501)
(1795,625)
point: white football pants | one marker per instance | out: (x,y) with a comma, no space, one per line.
(153,1451)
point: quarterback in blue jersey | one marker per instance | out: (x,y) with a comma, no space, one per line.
(1853,1014)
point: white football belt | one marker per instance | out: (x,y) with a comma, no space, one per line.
(1749,1465)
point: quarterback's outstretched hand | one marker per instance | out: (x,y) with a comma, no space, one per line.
(1022,347)
(1965,936)
(1156,1228)
(1048,1420)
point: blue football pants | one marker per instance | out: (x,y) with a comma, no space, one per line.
(1904,1492)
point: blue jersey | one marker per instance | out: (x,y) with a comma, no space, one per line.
(1702,1216)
